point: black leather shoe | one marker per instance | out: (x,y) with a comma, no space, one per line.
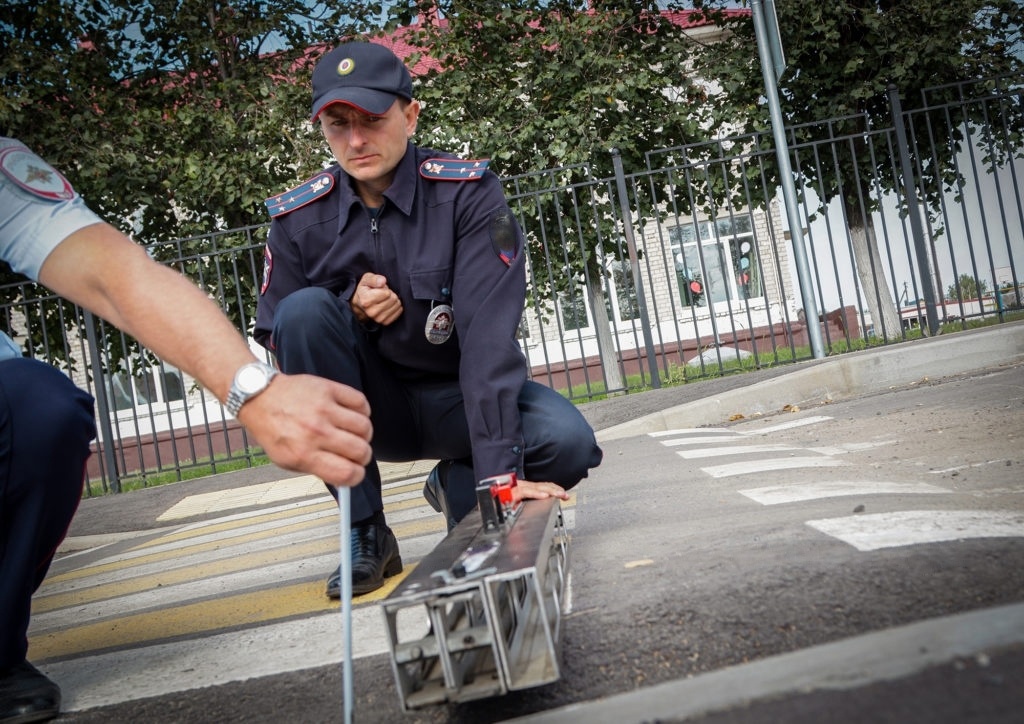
(27,695)
(374,558)
(435,490)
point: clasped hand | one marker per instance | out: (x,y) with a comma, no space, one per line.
(374,301)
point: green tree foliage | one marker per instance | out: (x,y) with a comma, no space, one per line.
(966,288)
(537,85)
(841,57)
(172,118)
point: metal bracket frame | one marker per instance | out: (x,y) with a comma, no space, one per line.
(490,598)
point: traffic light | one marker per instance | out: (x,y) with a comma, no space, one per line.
(746,269)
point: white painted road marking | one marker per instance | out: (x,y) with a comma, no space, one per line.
(710,452)
(691,431)
(914,527)
(1000,461)
(851,447)
(779,494)
(719,442)
(789,425)
(702,440)
(760,466)
(713,433)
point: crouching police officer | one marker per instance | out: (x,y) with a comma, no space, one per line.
(401,271)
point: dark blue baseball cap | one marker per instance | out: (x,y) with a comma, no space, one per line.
(365,75)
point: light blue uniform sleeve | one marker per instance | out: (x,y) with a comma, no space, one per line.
(9,349)
(32,221)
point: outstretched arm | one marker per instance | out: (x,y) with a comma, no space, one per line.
(304,423)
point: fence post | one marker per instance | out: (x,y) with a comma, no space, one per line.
(634,263)
(102,405)
(924,265)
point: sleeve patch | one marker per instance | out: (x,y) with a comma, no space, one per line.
(32,174)
(503,236)
(268,267)
(453,169)
(301,195)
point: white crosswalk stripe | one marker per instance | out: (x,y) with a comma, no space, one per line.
(763,465)
(793,493)
(914,527)
(702,443)
(865,532)
(710,452)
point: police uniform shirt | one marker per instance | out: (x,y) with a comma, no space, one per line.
(38,209)
(437,242)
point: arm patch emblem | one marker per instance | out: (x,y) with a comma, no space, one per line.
(301,195)
(503,236)
(268,267)
(454,169)
(34,175)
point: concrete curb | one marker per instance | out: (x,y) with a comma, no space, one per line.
(852,373)
(849,663)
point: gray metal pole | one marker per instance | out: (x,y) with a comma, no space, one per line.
(924,263)
(803,269)
(102,404)
(345,532)
(634,262)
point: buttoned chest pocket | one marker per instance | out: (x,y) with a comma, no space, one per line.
(432,284)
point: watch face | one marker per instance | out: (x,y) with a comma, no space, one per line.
(251,379)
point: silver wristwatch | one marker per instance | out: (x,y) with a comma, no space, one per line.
(250,380)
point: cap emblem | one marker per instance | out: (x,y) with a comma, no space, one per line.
(346,66)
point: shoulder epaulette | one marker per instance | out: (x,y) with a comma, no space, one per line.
(301,195)
(454,169)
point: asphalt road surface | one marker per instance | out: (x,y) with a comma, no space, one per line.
(698,549)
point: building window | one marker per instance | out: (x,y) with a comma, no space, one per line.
(620,301)
(622,293)
(574,311)
(716,262)
(159,384)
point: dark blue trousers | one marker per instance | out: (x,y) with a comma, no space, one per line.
(315,332)
(46,424)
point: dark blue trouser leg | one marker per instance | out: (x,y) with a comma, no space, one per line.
(46,424)
(316,333)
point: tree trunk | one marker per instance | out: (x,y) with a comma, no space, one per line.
(605,341)
(872,277)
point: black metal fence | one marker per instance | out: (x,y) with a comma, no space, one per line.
(662,275)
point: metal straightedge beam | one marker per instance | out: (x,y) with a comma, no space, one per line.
(489,597)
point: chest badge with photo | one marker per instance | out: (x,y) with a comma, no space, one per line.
(440,324)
